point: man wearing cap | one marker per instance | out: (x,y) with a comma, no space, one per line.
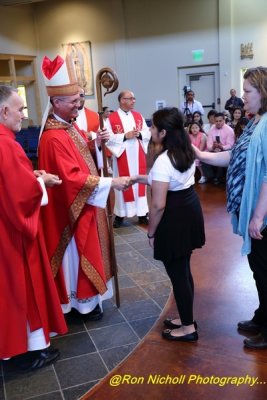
(76,229)
(128,143)
(29,308)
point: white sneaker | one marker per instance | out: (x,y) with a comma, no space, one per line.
(203,179)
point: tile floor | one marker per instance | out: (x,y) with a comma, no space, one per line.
(91,349)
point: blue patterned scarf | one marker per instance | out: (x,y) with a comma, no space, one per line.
(236,169)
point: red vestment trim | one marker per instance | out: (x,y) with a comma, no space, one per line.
(123,165)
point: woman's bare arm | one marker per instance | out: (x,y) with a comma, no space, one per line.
(220,159)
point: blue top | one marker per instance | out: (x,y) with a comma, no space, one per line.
(255,175)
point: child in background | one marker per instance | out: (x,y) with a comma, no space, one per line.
(199,139)
(197,117)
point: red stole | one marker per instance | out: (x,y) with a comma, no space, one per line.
(122,161)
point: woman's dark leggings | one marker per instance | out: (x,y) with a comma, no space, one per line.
(258,264)
(183,287)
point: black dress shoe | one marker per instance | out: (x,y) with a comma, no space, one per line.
(39,359)
(94,315)
(249,326)
(168,322)
(143,220)
(190,337)
(256,342)
(118,221)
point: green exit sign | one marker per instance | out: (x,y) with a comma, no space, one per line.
(197,55)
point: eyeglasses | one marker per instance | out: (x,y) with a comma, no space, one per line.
(82,95)
(129,98)
(74,102)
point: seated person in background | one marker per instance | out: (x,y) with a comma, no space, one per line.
(237,114)
(227,117)
(105,114)
(197,117)
(220,138)
(199,139)
(240,127)
(210,116)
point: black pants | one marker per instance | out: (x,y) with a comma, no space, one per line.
(258,263)
(211,172)
(183,287)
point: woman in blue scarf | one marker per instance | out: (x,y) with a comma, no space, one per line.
(247,194)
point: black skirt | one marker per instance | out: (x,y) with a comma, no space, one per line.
(181,228)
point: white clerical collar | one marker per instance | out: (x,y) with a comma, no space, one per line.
(125,112)
(60,119)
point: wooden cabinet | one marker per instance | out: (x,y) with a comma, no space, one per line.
(19,70)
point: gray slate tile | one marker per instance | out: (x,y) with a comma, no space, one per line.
(75,392)
(140,309)
(112,357)
(22,386)
(143,326)
(113,336)
(74,345)
(79,370)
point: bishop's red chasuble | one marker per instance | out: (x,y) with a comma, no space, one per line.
(64,151)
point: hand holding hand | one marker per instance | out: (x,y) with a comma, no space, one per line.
(121,182)
(134,179)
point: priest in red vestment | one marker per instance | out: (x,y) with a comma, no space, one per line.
(75,221)
(29,308)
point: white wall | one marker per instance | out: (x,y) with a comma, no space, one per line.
(145,41)
(241,21)
(17,32)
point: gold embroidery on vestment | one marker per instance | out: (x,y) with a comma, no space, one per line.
(93,276)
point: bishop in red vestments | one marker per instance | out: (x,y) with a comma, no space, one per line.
(76,228)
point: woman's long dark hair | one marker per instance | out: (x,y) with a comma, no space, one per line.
(176,141)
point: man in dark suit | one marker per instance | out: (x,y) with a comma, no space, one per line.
(233,101)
